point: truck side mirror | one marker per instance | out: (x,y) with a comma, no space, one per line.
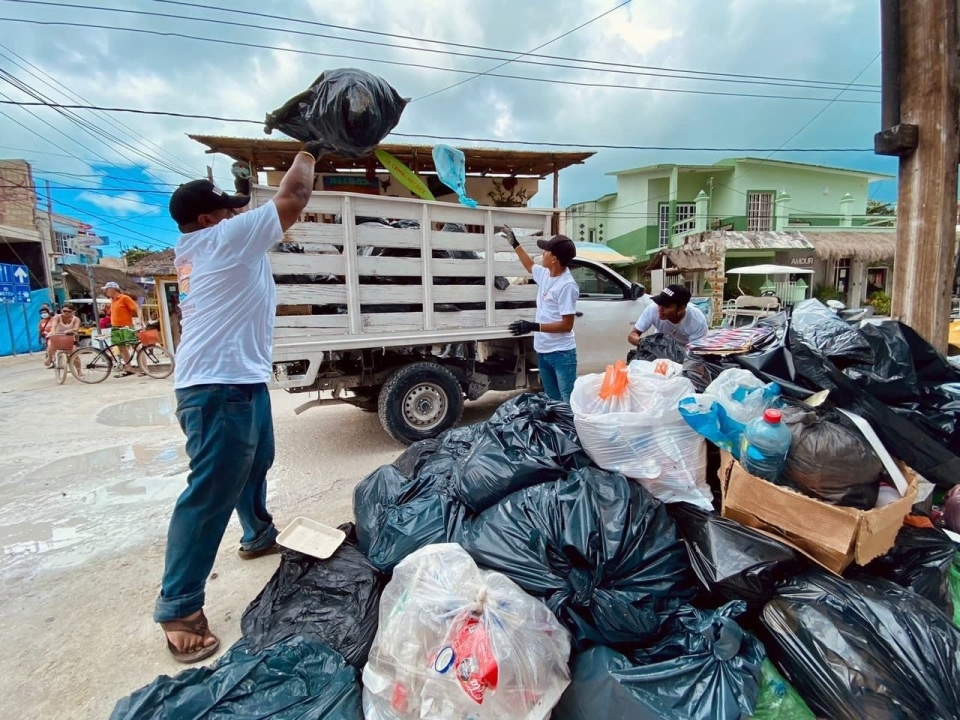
(637,291)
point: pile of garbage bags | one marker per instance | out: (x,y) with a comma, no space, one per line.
(570,561)
(425,495)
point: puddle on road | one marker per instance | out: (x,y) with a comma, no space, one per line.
(113,461)
(145,412)
(90,503)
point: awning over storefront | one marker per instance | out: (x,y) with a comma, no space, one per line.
(867,246)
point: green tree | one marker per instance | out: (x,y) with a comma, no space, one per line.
(135,254)
(875,207)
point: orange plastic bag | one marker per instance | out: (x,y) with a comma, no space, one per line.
(615,381)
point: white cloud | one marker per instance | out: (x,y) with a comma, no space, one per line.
(822,39)
(125,203)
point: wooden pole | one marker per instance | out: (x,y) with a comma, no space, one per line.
(927,201)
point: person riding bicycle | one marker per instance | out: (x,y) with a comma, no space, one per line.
(123,309)
(65,324)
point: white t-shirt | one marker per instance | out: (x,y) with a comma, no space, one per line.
(227,300)
(556,297)
(692,326)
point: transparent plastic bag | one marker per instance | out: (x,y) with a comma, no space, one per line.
(457,641)
(635,428)
(722,412)
(743,395)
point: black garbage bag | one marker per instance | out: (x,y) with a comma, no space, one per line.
(892,375)
(599,550)
(700,370)
(816,325)
(830,460)
(705,668)
(920,560)
(529,440)
(926,453)
(349,110)
(397,515)
(334,601)
(865,649)
(296,679)
(733,561)
(412,503)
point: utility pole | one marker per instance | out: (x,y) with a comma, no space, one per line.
(53,248)
(920,118)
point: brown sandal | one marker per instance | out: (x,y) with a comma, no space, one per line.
(197,626)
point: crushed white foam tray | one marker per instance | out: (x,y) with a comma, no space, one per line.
(311,538)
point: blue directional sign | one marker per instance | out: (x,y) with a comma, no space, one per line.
(14,284)
(21,283)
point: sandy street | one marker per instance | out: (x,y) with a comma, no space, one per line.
(88,477)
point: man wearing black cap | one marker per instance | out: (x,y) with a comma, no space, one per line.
(227,306)
(557,294)
(672,316)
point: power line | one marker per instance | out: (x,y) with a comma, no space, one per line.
(237,43)
(106,221)
(76,97)
(56,129)
(609,67)
(582,146)
(521,55)
(96,132)
(103,176)
(831,102)
(97,188)
(604,63)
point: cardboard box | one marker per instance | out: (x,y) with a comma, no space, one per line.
(831,535)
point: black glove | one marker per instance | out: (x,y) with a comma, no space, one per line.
(523,327)
(315,148)
(510,236)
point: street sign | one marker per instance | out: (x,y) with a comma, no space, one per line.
(14,284)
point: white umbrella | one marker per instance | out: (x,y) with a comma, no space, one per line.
(769,270)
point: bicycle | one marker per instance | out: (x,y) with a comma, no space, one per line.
(90,365)
(63,346)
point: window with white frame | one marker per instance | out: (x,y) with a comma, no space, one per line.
(664,224)
(64,245)
(686,220)
(759,211)
(686,217)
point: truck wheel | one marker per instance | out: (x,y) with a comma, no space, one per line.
(420,401)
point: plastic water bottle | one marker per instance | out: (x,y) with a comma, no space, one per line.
(765,444)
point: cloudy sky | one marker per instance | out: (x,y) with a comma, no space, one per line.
(666,74)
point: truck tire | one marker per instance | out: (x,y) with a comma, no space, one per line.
(420,401)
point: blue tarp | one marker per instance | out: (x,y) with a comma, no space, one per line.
(24,329)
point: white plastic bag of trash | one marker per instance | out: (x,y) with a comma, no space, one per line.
(628,422)
(458,642)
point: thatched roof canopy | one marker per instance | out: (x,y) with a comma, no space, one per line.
(679,261)
(101,276)
(158,264)
(868,246)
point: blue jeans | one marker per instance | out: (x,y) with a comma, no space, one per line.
(558,371)
(229,431)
